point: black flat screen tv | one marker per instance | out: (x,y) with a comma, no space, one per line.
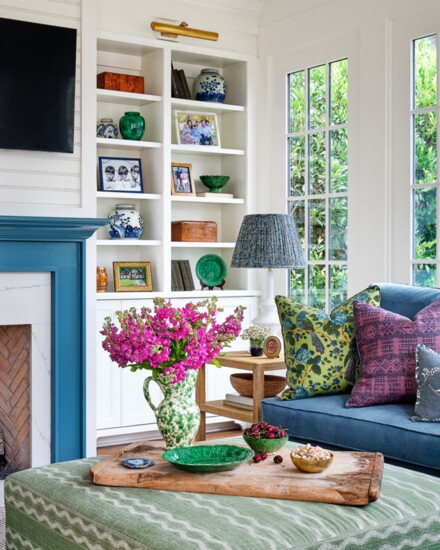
(37,86)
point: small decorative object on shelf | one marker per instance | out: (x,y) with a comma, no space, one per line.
(101,279)
(120,175)
(243,383)
(272,347)
(125,222)
(182,180)
(214,183)
(194,231)
(146,339)
(120,82)
(107,129)
(209,86)
(132,125)
(132,276)
(196,128)
(256,335)
(211,271)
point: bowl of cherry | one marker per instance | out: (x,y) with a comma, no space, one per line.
(265,438)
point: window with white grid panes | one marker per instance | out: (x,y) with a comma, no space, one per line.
(317,142)
(424,177)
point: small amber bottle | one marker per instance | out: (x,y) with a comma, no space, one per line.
(101,279)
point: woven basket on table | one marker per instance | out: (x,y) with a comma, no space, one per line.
(242,384)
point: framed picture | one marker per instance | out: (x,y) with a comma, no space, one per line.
(132,276)
(181,179)
(195,128)
(121,175)
(272,347)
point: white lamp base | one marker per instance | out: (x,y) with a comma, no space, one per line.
(268,313)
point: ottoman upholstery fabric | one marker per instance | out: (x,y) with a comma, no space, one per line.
(56,507)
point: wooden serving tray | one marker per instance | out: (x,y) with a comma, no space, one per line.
(353,479)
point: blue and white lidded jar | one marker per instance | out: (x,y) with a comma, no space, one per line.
(125,222)
(209,86)
(107,129)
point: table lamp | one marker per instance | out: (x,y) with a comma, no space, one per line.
(268,241)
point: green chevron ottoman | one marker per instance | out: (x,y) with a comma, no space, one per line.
(57,508)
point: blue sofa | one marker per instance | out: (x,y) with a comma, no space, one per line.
(384,428)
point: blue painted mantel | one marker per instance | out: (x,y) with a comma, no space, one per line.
(57,246)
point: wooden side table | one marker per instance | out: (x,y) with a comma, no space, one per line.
(237,360)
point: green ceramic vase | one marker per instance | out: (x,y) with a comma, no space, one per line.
(132,125)
(177,415)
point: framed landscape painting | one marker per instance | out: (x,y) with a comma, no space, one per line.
(132,276)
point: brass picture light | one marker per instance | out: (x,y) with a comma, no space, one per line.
(172,31)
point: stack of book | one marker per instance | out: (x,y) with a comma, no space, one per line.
(236,400)
(179,84)
(181,276)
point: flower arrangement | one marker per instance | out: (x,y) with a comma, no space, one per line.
(256,333)
(170,340)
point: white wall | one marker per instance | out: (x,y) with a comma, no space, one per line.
(38,183)
(291,30)
(236,22)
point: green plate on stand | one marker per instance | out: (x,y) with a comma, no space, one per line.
(208,458)
(211,270)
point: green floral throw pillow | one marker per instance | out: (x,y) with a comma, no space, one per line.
(320,349)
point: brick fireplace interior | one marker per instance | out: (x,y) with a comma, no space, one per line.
(15,380)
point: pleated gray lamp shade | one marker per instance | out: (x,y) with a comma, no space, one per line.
(268,241)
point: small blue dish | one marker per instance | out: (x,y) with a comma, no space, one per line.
(138,462)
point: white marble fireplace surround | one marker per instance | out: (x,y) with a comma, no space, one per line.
(25,299)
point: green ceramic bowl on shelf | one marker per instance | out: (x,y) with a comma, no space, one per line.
(214,183)
(208,458)
(262,445)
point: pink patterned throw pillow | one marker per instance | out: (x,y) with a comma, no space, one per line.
(387,345)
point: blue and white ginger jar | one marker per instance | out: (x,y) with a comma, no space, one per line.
(209,86)
(107,129)
(125,222)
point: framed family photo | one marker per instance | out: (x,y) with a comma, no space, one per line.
(181,179)
(121,175)
(132,276)
(195,128)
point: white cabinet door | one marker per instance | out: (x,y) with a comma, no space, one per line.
(108,382)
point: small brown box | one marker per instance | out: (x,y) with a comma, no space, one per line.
(120,82)
(194,231)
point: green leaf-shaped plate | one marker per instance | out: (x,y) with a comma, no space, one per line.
(211,270)
(208,458)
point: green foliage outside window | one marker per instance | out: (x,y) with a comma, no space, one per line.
(425,160)
(326,174)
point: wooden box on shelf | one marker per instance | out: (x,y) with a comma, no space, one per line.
(120,82)
(194,231)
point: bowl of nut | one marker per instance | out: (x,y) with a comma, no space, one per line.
(265,438)
(311,460)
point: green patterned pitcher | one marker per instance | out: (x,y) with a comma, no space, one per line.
(177,415)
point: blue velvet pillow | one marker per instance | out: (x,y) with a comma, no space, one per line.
(427,408)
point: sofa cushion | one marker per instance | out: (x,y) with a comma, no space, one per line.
(387,346)
(320,350)
(383,428)
(406,300)
(427,407)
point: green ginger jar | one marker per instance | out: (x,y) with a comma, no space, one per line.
(132,125)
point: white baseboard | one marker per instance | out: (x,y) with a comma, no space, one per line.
(152,435)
